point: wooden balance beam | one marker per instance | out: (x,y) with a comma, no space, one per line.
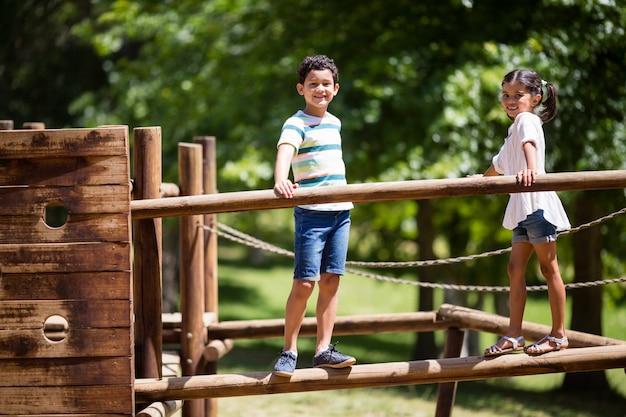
(373,192)
(381,374)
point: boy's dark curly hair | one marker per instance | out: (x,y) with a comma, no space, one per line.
(316,63)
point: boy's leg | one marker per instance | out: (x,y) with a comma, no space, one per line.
(326,309)
(294,312)
(325,354)
(332,266)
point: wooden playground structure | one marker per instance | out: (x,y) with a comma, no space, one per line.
(82,327)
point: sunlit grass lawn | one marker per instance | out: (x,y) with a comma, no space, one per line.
(259,292)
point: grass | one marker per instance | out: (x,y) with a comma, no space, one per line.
(257,292)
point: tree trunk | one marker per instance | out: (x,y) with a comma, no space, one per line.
(587,302)
(425,347)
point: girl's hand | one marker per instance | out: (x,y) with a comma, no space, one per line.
(285,188)
(526,177)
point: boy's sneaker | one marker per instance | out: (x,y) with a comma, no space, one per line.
(332,358)
(286,364)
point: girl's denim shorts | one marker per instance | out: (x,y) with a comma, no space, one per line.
(321,242)
(534,230)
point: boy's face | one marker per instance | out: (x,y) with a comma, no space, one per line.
(318,91)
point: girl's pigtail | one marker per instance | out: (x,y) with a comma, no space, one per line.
(548,101)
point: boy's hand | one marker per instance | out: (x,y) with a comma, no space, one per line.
(285,188)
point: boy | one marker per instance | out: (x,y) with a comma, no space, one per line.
(310,144)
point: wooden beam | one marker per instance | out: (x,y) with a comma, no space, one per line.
(421,321)
(216,349)
(381,374)
(493,323)
(165,409)
(374,192)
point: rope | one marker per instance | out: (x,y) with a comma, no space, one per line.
(247,240)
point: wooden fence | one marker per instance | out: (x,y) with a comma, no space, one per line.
(100,361)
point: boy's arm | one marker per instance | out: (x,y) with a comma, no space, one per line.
(282,184)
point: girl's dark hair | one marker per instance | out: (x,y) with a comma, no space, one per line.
(316,63)
(534,84)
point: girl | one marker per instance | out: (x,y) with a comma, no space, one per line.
(534,217)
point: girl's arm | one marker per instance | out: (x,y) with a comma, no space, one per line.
(526,177)
(491,171)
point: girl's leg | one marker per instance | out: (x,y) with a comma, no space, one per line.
(326,309)
(546,254)
(295,310)
(516,269)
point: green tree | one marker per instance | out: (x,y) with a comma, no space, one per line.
(43,67)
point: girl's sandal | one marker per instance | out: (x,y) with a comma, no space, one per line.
(517,343)
(535,349)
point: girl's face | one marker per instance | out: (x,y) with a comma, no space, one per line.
(516,99)
(318,91)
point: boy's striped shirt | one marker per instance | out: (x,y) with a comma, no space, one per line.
(318,157)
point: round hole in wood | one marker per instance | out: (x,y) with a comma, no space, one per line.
(55,328)
(55,215)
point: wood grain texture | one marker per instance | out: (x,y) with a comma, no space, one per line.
(66,328)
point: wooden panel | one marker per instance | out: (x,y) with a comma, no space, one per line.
(78,228)
(64,286)
(79,199)
(64,371)
(65,400)
(20,315)
(94,170)
(80,271)
(63,142)
(79,343)
(72,257)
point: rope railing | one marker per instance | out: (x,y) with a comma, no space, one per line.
(250,241)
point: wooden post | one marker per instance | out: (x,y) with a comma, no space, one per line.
(191,272)
(209,181)
(209,175)
(148,256)
(447,390)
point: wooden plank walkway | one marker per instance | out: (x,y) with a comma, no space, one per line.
(382,374)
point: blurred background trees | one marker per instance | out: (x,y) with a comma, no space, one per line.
(418,99)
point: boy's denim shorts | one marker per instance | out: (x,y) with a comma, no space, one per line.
(534,230)
(321,242)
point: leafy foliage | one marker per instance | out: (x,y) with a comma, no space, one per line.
(418,98)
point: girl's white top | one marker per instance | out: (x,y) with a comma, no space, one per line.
(527,127)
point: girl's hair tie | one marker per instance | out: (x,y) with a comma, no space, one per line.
(544,91)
